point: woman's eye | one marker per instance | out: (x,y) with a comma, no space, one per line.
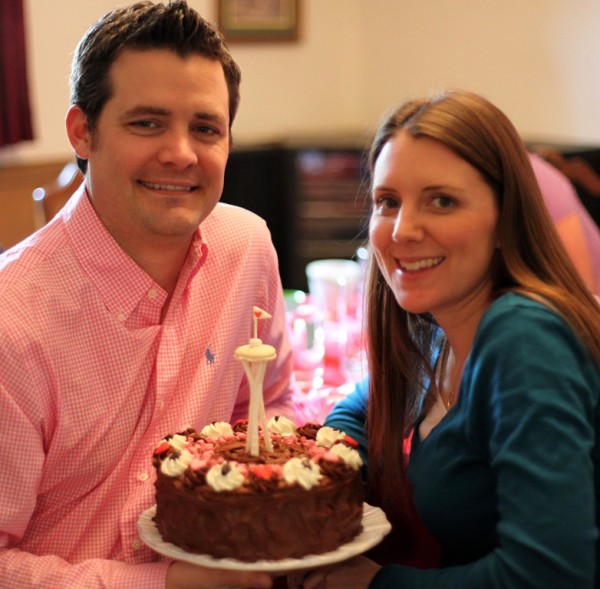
(443,201)
(381,204)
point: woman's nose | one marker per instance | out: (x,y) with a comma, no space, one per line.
(407,225)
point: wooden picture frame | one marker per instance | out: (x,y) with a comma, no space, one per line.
(258,20)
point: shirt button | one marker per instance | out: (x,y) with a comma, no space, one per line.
(136,544)
(152,293)
(121,316)
(143,476)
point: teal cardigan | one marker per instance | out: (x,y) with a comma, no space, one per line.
(509,480)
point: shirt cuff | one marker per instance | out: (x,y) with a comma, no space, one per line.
(149,576)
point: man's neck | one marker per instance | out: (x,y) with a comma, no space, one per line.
(161,262)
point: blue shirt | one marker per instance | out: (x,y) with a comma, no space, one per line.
(508,481)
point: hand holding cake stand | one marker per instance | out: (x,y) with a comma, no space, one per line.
(254,356)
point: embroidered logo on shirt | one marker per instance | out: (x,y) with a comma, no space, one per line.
(210,357)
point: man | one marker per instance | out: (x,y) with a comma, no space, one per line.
(121,316)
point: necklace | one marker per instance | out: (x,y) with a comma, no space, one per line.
(441,377)
(450,400)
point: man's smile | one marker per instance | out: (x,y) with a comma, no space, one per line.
(168,187)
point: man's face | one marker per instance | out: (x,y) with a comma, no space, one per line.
(156,159)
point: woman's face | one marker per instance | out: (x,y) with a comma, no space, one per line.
(433,228)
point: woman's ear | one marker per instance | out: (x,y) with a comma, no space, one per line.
(78,131)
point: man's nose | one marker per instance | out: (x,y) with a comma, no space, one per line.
(179,150)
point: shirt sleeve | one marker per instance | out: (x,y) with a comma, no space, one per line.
(350,415)
(19,569)
(534,393)
(22,455)
(557,190)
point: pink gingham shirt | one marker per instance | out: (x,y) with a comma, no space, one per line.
(91,381)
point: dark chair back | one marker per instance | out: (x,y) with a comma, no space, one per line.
(48,200)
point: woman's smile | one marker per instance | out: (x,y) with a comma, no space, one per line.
(411,266)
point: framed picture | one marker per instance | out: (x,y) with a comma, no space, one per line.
(258,20)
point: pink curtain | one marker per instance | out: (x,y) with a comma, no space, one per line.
(15,114)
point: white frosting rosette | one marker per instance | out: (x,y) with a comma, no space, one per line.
(282,425)
(175,465)
(215,430)
(304,472)
(178,442)
(350,456)
(328,436)
(225,477)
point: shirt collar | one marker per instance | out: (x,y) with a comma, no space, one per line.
(120,282)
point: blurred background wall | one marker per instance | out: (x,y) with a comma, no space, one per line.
(537,60)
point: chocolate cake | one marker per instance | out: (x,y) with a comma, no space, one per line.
(303,497)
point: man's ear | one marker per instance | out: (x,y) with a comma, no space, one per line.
(78,131)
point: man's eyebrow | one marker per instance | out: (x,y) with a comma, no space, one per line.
(145,110)
(210,116)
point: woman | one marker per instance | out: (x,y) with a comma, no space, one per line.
(484,345)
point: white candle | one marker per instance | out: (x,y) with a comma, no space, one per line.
(254,357)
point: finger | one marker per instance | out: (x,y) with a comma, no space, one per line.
(247,580)
(295,580)
(316,579)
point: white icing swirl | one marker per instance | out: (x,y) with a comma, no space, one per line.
(302,471)
(178,442)
(349,455)
(282,425)
(225,477)
(215,430)
(328,436)
(175,465)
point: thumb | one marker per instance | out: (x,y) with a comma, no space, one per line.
(246,580)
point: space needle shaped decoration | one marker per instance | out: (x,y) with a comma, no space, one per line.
(254,356)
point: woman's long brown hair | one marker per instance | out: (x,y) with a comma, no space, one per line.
(531,261)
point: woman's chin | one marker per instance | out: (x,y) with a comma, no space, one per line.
(413,303)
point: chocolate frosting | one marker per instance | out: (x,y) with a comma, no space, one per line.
(283,523)
(309,430)
(266,518)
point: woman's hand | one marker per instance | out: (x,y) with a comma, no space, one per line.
(182,575)
(356,573)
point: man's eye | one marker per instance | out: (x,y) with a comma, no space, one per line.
(206,130)
(143,124)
